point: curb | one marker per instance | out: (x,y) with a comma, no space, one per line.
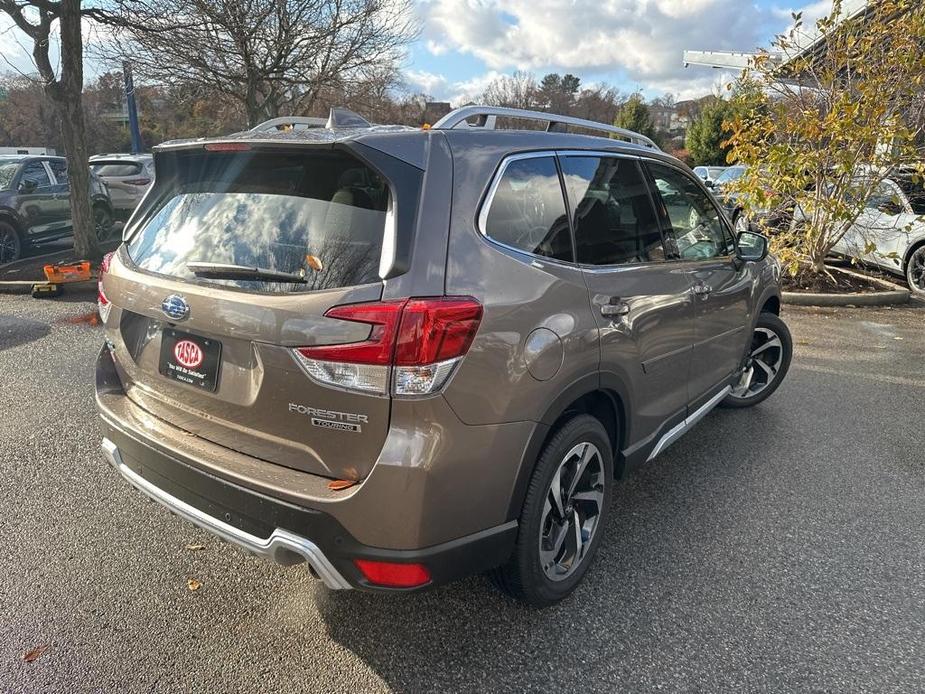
(893,294)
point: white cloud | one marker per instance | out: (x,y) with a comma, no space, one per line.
(426,82)
(642,39)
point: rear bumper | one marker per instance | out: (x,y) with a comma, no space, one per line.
(271,527)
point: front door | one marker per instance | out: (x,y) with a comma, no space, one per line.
(703,244)
(35,200)
(641,302)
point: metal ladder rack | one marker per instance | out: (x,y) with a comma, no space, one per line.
(485,117)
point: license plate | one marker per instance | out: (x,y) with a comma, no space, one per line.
(190,359)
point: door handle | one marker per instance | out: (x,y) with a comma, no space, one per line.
(615,308)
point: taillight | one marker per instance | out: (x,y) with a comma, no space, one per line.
(138,181)
(101,300)
(393,574)
(417,342)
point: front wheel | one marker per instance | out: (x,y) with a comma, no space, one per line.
(915,271)
(766,365)
(564,510)
(10,244)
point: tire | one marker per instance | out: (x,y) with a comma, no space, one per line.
(581,439)
(102,222)
(10,243)
(769,356)
(915,271)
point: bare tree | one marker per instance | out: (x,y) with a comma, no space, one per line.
(513,91)
(37,19)
(273,56)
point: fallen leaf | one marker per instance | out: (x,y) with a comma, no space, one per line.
(193,584)
(339,485)
(195,547)
(35,653)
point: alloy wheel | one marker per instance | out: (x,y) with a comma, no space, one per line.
(915,271)
(571,511)
(762,366)
(102,223)
(9,245)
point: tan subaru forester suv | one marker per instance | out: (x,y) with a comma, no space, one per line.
(403,356)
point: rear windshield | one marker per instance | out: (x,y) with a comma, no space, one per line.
(118,168)
(319,216)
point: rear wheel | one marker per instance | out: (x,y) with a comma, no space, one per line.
(102,222)
(10,244)
(564,510)
(915,270)
(766,365)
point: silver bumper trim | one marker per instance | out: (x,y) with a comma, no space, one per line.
(282,546)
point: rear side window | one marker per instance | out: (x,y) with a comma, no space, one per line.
(614,220)
(527,211)
(116,169)
(320,216)
(35,173)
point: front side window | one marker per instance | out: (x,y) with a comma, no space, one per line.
(319,216)
(59,169)
(34,172)
(914,189)
(527,210)
(612,212)
(694,225)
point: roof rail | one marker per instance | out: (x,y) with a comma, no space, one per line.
(291,121)
(338,118)
(486,115)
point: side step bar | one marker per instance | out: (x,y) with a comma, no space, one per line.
(678,430)
(282,546)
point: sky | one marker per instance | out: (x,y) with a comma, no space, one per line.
(633,45)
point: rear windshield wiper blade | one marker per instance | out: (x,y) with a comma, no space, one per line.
(224,271)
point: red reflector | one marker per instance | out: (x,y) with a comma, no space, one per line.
(104,268)
(227,147)
(392,574)
(377,348)
(437,329)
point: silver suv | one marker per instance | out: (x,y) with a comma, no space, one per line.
(404,356)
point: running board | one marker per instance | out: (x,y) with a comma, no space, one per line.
(681,428)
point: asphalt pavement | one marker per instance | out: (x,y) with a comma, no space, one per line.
(773,549)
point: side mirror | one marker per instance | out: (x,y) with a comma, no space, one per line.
(27,186)
(708,183)
(751,247)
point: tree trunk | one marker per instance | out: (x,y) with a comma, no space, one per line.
(66,95)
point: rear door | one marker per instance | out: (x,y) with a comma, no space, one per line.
(216,354)
(698,237)
(61,192)
(643,307)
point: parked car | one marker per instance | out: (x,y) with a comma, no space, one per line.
(128,177)
(709,174)
(35,203)
(890,232)
(318,350)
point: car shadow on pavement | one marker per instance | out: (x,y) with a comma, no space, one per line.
(467,636)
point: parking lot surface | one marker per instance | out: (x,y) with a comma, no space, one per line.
(778,549)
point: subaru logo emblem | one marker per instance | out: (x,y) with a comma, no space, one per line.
(175,306)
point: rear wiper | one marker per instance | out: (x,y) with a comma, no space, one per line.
(224,271)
